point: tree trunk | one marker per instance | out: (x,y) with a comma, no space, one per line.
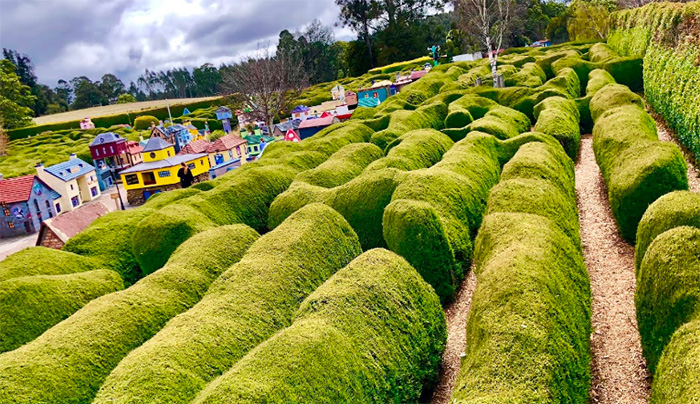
(493,59)
(368,41)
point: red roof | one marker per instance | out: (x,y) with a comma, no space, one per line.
(196,147)
(134,148)
(16,189)
(316,122)
(71,223)
(227,142)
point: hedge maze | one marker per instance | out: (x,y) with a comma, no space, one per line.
(319,273)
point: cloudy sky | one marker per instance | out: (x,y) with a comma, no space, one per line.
(69,38)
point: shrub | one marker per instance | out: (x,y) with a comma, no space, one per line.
(144,122)
(680,208)
(559,117)
(597,79)
(531,75)
(627,71)
(416,149)
(668,291)
(43,261)
(581,67)
(325,348)
(636,167)
(249,303)
(529,325)
(501,122)
(401,66)
(427,116)
(31,305)
(344,165)
(70,361)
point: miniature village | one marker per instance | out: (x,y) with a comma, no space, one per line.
(150,166)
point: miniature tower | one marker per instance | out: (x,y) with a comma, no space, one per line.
(224,114)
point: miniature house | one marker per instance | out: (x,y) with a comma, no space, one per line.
(26,202)
(338,93)
(111,152)
(351,99)
(301,113)
(375,95)
(158,172)
(87,124)
(224,115)
(281,129)
(75,180)
(226,153)
(310,127)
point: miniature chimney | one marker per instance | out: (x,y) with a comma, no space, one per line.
(153,125)
(72,156)
(140,138)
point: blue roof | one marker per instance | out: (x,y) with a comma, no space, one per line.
(175,128)
(108,137)
(300,108)
(54,195)
(71,169)
(156,143)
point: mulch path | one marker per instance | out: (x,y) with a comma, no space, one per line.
(619,369)
(456,316)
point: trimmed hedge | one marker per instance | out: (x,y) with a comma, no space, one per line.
(52,262)
(430,116)
(374,332)
(531,75)
(529,325)
(680,208)
(144,122)
(559,117)
(416,149)
(247,304)
(69,362)
(401,66)
(636,167)
(344,165)
(597,79)
(31,305)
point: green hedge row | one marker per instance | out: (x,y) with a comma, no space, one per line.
(475,113)
(247,304)
(377,304)
(243,196)
(416,149)
(31,305)
(111,120)
(529,325)
(69,362)
(344,165)
(666,35)
(668,293)
(559,117)
(636,167)
(53,262)
(401,66)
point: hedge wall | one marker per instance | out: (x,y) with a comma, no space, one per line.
(53,262)
(529,325)
(30,305)
(69,362)
(666,35)
(249,303)
(344,165)
(636,167)
(111,120)
(377,304)
(559,117)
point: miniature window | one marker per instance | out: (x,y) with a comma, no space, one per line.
(11,225)
(131,179)
(163,174)
(93,191)
(97,152)
(48,205)
(75,201)
(58,208)
(111,149)
(71,187)
(190,166)
(153,155)
(168,153)
(201,162)
(7,212)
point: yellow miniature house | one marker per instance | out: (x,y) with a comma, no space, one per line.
(158,172)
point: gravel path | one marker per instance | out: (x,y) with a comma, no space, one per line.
(456,315)
(667,134)
(619,369)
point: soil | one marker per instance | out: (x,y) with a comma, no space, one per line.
(619,369)
(456,316)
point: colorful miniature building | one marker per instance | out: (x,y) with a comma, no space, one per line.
(224,115)
(158,172)
(25,202)
(178,135)
(245,118)
(256,145)
(292,136)
(542,43)
(375,95)
(351,99)
(55,232)
(87,124)
(111,152)
(338,93)
(75,180)
(301,113)
(328,106)
(282,128)
(226,153)
(310,127)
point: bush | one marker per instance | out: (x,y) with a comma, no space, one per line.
(344,165)
(247,304)
(529,325)
(144,122)
(559,117)
(401,66)
(70,361)
(416,149)
(680,208)
(31,305)
(668,292)
(531,75)
(325,349)
(43,261)
(636,167)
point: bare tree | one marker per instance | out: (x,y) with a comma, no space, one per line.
(487,20)
(265,84)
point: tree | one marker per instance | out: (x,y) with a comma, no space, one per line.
(125,99)
(487,20)
(13,97)
(4,142)
(111,87)
(87,93)
(207,79)
(360,15)
(589,19)
(266,85)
